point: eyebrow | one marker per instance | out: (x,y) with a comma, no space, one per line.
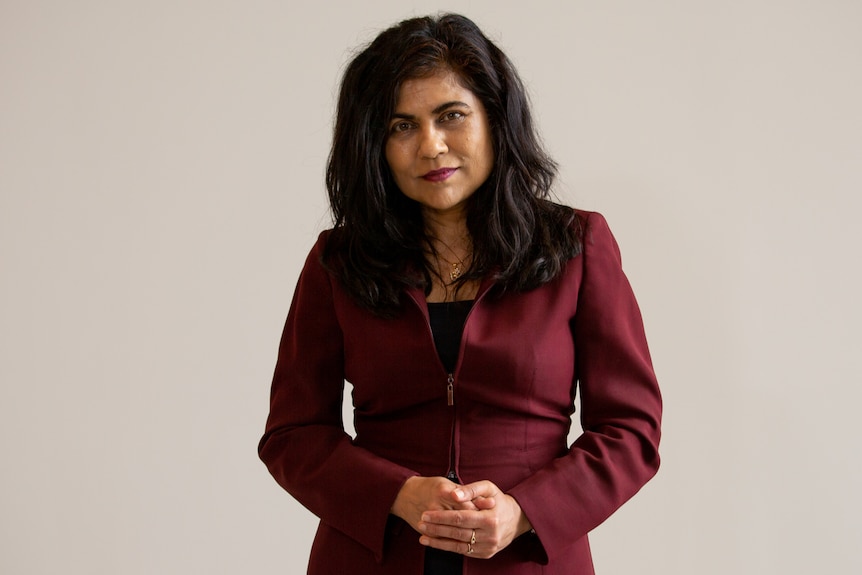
(437,110)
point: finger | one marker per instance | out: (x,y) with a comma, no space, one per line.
(440,531)
(453,504)
(484,503)
(465,519)
(474,490)
(459,547)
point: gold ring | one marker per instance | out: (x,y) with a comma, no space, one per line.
(469,549)
(473,538)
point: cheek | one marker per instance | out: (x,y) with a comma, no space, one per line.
(394,158)
(387,154)
(485,151)
(482,147)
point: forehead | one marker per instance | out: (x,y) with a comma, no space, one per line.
(441,86)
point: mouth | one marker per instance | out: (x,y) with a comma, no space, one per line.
(439,175)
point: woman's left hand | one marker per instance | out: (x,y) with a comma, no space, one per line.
(483,533)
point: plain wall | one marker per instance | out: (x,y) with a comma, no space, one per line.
(161,180)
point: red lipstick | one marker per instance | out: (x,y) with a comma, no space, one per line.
(439,175)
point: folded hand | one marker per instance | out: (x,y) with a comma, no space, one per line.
(421,494)
(481,521)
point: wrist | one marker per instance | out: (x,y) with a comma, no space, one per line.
(401,499)
(523,524)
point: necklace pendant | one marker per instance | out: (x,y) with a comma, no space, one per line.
(456,271)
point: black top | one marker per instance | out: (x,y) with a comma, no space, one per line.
(447,324)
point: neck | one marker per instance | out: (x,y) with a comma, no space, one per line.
(450,230)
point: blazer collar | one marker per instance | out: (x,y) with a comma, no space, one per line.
(418,296)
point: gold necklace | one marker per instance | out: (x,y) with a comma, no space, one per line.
(456,268)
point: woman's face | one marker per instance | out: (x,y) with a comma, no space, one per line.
(439,145)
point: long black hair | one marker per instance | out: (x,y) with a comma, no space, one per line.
(379,242)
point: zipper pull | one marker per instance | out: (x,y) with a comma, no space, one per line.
(450,390)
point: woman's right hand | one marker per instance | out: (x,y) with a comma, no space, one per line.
(420,494)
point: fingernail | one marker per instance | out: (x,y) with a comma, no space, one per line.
(424,541)
(459,494)
(425,518)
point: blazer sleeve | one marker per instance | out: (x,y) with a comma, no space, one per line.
(620,407)
(304,444)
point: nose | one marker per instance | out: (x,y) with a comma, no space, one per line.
(433,143)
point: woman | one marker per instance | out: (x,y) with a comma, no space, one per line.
(466,309)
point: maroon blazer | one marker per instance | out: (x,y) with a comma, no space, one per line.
(523,355)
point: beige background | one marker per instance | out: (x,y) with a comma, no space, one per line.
(161,172)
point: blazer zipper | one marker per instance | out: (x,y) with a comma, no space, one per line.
(450,382)
(451,475)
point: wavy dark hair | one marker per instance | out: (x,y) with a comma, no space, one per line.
(379,243)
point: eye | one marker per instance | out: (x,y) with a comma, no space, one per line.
(398,127)
(452,115)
